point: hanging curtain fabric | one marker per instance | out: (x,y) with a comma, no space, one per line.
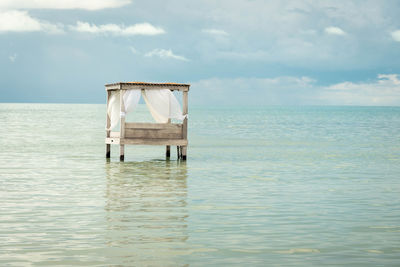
(175,108)
(113,109)
(162,105)
(131,100)
(157,101)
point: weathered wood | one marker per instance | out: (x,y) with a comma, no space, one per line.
(147,86)
(115,134)
(184,152)
(140,125)
(168,148)
(110,87)
(185,124)
(141,87)
(113,141)
(122,125)
(108,151)
(170,87)
(185,112)
(108,124)
(148,133)
(154,133)
(153,130)
(153,142)
(138,141)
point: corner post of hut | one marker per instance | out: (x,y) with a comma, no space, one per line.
(168,148)
(122,124)
(185,122)
(108,125)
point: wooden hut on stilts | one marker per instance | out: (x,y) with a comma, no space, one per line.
(123,98)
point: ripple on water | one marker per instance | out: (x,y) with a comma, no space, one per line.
(291,186)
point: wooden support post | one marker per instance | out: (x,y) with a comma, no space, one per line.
(185,123)
(168,152)
(168,148)
(122,125)
(108,124)
(177,152)
(183,152)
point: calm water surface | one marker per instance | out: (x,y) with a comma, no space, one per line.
(274,186)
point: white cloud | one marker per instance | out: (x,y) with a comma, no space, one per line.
(21,21)
(283,90)
(383,91)
(62,4)
(334,31)
(215,32)
(13,57)
(163,53)
(136,29)
(292,90)
(396,35)
(133,50)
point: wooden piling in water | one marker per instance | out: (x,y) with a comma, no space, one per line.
(108,124)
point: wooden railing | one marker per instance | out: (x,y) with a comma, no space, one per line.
(154,130)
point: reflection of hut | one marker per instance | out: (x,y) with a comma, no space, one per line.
(146,212)
(123,97)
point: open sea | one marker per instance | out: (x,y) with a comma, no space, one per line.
(262,186)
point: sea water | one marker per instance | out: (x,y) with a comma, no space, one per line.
(281,186)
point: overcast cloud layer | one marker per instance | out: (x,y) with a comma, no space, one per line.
(232,52)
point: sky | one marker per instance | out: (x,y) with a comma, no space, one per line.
(237,52)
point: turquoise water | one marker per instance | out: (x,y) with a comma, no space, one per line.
(281,186)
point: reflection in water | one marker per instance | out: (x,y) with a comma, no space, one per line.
(146,212)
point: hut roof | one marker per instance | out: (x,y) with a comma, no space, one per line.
(138,85)
(148,84)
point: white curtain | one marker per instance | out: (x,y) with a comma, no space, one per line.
(163,105)
(113,109)
(131,100)
(161,102)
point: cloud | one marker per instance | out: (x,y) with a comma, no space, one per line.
(282,90)
(21,21)
(291,33)
(13,57)
(385,91)
(62,4)
(133,50)
(335,31)
(136,29)
(292,90)
(396,35)
(163,53)
(215,32)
